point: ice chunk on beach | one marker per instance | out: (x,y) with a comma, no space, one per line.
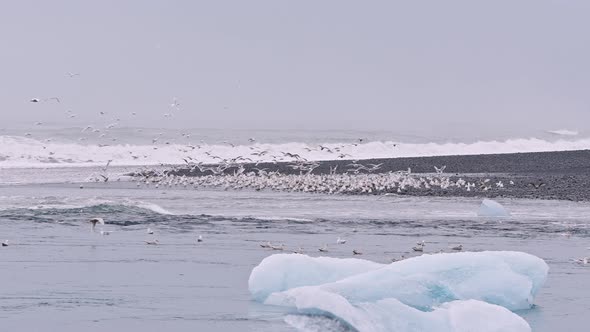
(490,208)
(442,292)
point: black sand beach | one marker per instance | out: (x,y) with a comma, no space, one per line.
(541,175)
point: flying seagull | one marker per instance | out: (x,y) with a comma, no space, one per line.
(95,221)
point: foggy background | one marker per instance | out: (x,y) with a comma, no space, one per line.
(362,65)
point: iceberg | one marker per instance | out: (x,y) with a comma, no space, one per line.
(281,272)
(490,208)
(443,292)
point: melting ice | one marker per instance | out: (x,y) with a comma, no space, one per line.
(443,292)
(490,208)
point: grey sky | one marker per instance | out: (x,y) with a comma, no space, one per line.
(299,64)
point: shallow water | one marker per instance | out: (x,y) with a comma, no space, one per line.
(59,275)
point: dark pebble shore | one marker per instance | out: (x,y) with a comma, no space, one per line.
(540,175)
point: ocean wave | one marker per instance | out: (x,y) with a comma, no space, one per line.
(23,152)
(91,204)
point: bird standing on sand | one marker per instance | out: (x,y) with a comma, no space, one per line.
(340,241)
(5,243)
(324,248)
(149,231)
(356,252)
(200,238)
(153,243)
(95,221)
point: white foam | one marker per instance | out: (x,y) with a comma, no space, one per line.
(564,132)
(27,152)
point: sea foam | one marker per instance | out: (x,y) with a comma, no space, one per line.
(21,152)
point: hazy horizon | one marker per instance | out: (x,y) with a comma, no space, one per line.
(336,65)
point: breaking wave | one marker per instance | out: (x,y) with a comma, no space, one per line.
(23,152)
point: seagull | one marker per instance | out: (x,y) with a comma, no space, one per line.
(5,243)
(356,252)
(281,247)
(200,238)
(457,247)
(584,260)
(419,248)
(94,221)
(340,241)
(175,103)
(298,251)
(266,245)
(324,248)
(537,186)
(35,100)
(73,74)
(440,170)
(153,243)
(150,231)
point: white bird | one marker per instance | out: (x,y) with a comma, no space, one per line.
(35,100)
(266,245)
(340,241)
(95,221)
(356,252)
(73,74)
(418,248)
(149,231)
(457,247)
(281,247)
(440,170)
(298,251)
(153,243)
(584,260)
(175,103)
(324,248)
(102,232)
(5,243)
(200,238)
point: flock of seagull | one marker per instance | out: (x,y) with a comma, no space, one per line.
(419,248)
(230,173)
(351,182)
(94,221)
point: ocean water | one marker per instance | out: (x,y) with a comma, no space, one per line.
(58,275)
(74,146)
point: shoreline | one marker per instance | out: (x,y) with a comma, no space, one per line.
(562,175)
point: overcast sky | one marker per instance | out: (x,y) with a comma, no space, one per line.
(299,64)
